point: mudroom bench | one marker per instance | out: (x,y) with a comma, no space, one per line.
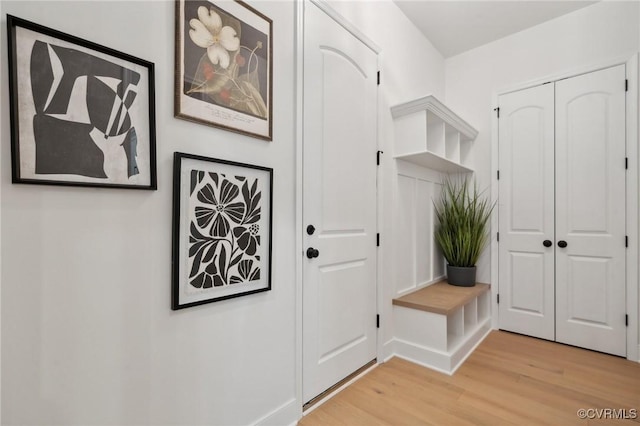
(438,326)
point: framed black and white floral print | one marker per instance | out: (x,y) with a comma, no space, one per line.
(81,113)
(221,230)
(223,73)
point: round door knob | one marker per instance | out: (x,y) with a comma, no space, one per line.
(311,253)
(562,243)
(311,229)
(547,243)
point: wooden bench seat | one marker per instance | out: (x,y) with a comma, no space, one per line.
(441,297)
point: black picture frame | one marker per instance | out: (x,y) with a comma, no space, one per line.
(231,86)
(222,230)
(82,114)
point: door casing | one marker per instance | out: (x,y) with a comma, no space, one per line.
(632,209)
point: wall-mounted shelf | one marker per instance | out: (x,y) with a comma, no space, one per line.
(433,161)
(431,135)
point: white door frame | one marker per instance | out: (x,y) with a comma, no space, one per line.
(299,246)
(633,185)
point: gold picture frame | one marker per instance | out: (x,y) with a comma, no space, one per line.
(223,66)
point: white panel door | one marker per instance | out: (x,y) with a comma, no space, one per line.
(590,211)
(339,200)
(526,212)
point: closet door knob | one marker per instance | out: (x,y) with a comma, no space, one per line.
(547,243)
(562,243)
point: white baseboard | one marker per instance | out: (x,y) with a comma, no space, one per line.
(444,362)
(421,355)
(464,351)
(388,350)
(287,414)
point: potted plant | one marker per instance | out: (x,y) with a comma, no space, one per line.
(463,215)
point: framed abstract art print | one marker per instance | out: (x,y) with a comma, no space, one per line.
(81,113)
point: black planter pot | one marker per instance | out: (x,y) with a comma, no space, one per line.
(461,276)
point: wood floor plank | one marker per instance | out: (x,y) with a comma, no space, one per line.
(509,380)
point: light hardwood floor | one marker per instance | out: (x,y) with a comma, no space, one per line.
(509,379)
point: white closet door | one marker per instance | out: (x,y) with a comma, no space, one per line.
(526,135)
(590,211)
(340,142)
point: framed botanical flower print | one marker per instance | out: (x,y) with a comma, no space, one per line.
(221,230)
(223,74)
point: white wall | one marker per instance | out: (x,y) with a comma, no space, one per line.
(88,336)
(87,333)
(410,67)
(604,30)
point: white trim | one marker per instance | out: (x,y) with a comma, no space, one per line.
(632,207)
(379,227)
(593,66)
(495,284)
(1,133)
(342,21)
(444,362)
(299,84)
(285,414)
(388,351)
(432,104)
(633,185)
(412,170)
(433,161)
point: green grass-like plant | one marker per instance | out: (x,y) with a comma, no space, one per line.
(463,214)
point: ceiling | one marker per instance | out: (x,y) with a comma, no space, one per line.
(457,26)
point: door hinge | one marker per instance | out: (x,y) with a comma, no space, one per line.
(626,241)
(498,236)
(498,174)
(626,163)
(497,110)
(626,85)
(626,320)
(377,320)
(498,298)
(378,78)
(378,157)
(378,239)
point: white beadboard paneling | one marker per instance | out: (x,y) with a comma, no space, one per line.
(438,267)
(405,235)
(423,231)
(418,260)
